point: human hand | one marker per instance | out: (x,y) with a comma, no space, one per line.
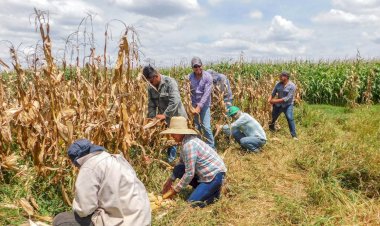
(197,110)
(160,117)
(170,194)
(167,186)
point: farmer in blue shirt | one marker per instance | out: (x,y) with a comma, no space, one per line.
(201,87)
(285,91)
(245,130)
(222,86)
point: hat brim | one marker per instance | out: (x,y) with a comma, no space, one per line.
(180,131)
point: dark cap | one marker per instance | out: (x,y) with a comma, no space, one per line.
(285,73)
(81,148)
(149,72)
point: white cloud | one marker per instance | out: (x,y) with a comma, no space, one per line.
(358,6)
(214,2)
(282,29)
(351,12)
(340,16)
(256,14)
(158,8)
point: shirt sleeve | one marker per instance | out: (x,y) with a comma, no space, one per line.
(242,120)
(207,91)
(228,92)
(174,99)
(152,108)
(226,130)
(274,92)
(290,95)
(189,159)
(86,192)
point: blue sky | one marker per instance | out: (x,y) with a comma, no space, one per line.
(173,31)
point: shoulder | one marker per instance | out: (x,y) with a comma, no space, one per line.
(293,84)
(170,80)
(190,141)
(207,76)
(93,165)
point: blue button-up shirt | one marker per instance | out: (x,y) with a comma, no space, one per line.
(222,84)
(201,89)
(286,93)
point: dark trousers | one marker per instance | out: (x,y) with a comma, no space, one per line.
(288,111)
(71,219)
(204,193)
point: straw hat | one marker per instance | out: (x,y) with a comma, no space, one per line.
(178,125)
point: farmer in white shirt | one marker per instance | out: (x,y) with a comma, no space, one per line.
(245,130)
(107,191)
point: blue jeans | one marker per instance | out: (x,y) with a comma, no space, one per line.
(205,125)
(172,153)
(204,193)
(250,143)
(288,110)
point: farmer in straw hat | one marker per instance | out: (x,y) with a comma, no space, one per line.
(245,130)
(107,191)
(200,166)
(164,100)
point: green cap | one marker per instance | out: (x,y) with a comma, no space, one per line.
(232,110)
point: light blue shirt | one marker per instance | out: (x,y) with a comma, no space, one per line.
(247,125)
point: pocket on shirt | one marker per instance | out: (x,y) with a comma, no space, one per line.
(164,97)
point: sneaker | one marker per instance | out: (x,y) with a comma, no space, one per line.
(295,138)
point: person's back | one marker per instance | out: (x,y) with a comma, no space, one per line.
(252,127)
(107,186)
(245,130)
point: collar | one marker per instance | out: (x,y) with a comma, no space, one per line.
(83,159)
(187,138)
(163,81)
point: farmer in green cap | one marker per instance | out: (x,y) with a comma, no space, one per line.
(245,130)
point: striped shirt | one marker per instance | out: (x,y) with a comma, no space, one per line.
(199,159)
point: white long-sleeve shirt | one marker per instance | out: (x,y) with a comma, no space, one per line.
(108,188)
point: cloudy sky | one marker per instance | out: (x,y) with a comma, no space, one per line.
(172,31)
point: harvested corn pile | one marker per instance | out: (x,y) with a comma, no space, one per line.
(157,202)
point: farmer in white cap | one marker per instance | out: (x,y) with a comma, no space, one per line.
(200,166)
(201,90)
(107,190)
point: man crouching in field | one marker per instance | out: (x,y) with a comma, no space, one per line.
(245,130)
(200,166)
(107,191)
